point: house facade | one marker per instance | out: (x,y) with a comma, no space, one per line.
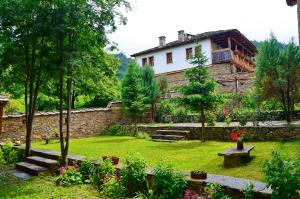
(230,58)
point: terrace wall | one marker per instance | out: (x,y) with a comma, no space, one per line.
(85,122)
(222,133)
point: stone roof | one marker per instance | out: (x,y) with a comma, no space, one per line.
(291,2)
(202,36)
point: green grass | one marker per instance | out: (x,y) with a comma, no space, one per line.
(45,187)
(185,155)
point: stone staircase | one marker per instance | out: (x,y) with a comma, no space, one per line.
(42,161)
(170,135)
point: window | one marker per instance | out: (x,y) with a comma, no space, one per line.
(151,61)
(169,58)
(189,53)
(144,61)
(198,50)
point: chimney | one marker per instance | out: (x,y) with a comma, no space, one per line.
(181,35)
(162,41)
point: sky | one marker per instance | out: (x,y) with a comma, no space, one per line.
(256,19)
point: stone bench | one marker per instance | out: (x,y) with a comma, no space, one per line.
(232,156)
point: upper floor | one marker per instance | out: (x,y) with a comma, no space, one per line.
(226,46)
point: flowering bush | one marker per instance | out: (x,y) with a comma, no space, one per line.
(237,135)
(190,194)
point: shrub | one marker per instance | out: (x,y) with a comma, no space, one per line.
(86,169)
(168,183)
(248,191)
(70,177)
(283,176)
(103,174)
(118,130)
(113,189)
(133,175)
(214,191)
(210,118)
(143,135)
(9,155)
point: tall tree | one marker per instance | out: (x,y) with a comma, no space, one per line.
(277,74)
(82,27)
(200,92)
(25,49)
(132,93)
(150,88)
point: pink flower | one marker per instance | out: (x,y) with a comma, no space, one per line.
(234,136)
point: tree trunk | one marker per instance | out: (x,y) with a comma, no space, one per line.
(202,123)
(298,15)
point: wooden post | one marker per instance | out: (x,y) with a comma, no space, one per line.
(1,116)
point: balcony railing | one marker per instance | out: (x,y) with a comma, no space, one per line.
(228,56)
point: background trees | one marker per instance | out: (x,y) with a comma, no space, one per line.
(277,74)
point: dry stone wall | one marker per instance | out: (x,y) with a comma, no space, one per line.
(85,122)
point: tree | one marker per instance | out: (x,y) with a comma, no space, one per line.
(81,29)
(199,94)
(150,88)
(25,48)
(162,83)
(277,74)
(132,92)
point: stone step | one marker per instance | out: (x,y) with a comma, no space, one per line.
(168,137)
(20,174)
(172,132)
(30,168)
(44,162)
(54,155)
(162,140)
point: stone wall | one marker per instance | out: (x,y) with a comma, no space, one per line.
(85,122)
(222,73)
(222,133)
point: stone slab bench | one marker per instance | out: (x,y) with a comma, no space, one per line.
(232,156)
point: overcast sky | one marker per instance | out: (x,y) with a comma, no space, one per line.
(153,18)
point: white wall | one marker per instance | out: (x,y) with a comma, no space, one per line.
(179,57)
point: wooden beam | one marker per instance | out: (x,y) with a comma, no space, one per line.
(243,47)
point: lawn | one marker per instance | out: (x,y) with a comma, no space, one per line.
(42,187)
(184,155)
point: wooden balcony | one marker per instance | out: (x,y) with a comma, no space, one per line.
(235,57)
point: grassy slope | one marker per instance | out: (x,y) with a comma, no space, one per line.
(185,155)
(45,187)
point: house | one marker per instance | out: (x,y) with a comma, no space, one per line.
(230,58)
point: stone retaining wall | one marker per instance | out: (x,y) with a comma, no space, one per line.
(85,122)
(222,133)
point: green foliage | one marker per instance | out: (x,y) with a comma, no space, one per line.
(283,176)
(162,84)
(132,92)
(214,191)
(118,130)
(149,84)
(113,189)
(248,191)
(143,135)
(133,175)
(168,183)
(124,61)
(70,177)
(277,74)
(86,169)
(10,156)
(104,173)
(210,118)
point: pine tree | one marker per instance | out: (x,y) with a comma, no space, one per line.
(132,92)
(199,94)
(150,88)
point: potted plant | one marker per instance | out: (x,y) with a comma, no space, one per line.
(199,175)
(114,159)
(238,138)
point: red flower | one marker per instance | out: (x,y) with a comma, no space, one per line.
(234,136)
